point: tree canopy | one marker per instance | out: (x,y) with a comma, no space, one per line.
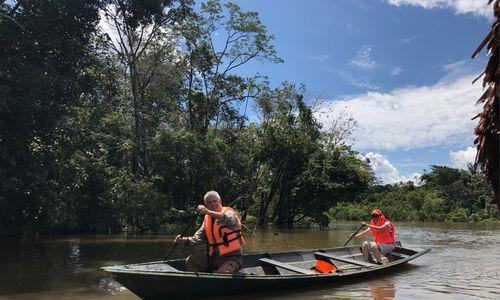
(125,126)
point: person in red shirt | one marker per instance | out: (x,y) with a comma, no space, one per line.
(384,233)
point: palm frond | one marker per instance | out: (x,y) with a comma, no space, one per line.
(488,128)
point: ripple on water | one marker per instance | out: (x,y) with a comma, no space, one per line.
(464,263)
(111,286)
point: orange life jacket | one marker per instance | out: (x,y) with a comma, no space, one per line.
(325,267)
(384,236)
(222,239)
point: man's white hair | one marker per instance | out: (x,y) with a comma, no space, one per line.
(211,194)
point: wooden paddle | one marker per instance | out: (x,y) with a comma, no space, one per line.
(190,224)
(352,235)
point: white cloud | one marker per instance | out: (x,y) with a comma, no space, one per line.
(349,26)
(386,172)
(358,80)
(474,7)
(395,71)
(363,62)
(460,159)
(108,27)
(456,70)
(412,117)
(363,59)
(409,39)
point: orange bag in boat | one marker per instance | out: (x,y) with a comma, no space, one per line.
(325,267)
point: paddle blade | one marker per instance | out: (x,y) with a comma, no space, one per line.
(325,267)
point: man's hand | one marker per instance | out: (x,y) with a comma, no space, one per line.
(202,209)
(361,233)
(180,239)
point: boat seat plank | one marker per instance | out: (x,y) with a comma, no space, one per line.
(253,271)
(286,266)
(395,255)
(343,259)
(404,251)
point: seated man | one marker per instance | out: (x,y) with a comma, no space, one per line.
(384,232)
(221,230)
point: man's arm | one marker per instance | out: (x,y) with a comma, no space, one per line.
(202,209)
(198,237)
(228,217)
(231,220)
(385,226)
(362,233)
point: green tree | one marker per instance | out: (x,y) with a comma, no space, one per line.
(93,148)
(446,194)
(145,41)
(45,48)
(214,90)
(331,178)
(302,174)
(211,141)
(459,189)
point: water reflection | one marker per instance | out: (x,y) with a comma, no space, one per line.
(383,290)
(74,255)
(463,264)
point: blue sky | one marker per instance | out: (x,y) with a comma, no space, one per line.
(401,68)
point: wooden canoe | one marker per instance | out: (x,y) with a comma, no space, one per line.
(261,272)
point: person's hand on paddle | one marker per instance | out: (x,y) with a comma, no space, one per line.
(356,234)
(179,239)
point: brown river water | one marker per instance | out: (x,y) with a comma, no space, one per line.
(464,263)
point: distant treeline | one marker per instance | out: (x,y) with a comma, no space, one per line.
(127,130)
(446,194)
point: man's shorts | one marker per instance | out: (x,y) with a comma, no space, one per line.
(385,248)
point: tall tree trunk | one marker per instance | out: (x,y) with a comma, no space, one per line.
(266,200)
(136,161)
(282,207)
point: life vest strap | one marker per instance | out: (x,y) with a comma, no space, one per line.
(226,241)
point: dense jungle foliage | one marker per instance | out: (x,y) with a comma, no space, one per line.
(127,128)
(445,194)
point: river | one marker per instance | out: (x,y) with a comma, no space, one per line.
(464,263)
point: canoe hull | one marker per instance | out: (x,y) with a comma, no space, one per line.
(152,285)
(173,287)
